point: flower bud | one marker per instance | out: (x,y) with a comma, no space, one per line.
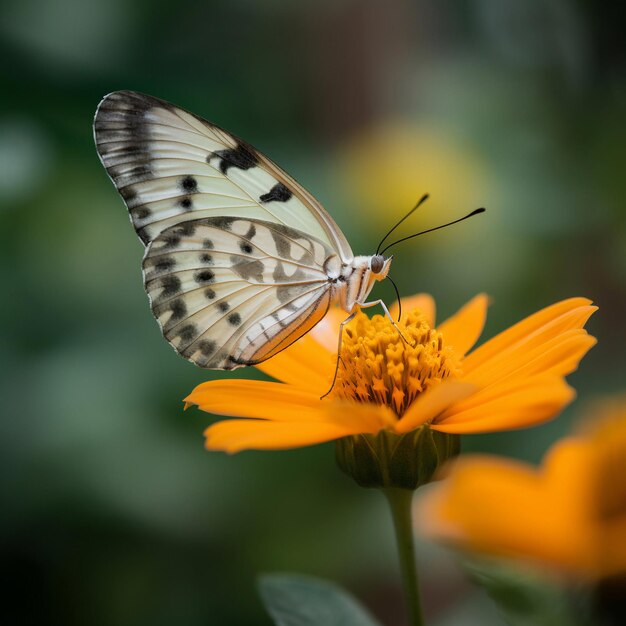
(387,459)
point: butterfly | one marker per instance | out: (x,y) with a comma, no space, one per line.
(240,260)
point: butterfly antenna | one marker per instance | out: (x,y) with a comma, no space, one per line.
(430,230)
(397,296)
(417,206)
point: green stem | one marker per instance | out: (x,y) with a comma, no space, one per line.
(400,504)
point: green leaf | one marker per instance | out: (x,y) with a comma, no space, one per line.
(295,600)
(527,597)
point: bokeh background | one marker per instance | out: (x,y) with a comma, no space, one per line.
(112,512)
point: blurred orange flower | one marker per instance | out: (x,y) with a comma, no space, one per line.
(512,381)
(569,514)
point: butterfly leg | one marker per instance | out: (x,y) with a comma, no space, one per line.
(339,343)
(367,305)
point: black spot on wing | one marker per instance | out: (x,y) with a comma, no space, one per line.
(129,194)
(208,244)
(245,247)
(137,173)
(170,240)
(207,347)
(204,276)
(188,332)
(234,319)
(207,259)
(164,265)
(186,203)
(241,157)
(121,153)
(143,235)
(223,306)
(278,193)
(160,265)
(140,212)
(178,309)
(170,286)
(209,294)
(186,229)
(189,184)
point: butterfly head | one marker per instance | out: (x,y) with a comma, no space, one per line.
(379,266)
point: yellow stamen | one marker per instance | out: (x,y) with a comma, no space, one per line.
(378,365)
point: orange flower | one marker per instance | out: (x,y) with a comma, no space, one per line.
(386,383)
(569,514)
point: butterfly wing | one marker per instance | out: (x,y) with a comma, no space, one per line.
(229,292)
(171,166)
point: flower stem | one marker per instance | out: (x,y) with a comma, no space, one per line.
(400,504)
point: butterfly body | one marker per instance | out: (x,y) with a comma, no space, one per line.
(357,280)
(240,260)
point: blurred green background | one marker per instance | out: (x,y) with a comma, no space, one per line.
(112,512)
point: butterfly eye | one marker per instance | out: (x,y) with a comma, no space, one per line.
(377,263)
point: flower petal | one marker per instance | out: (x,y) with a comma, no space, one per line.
(433,402)
(530,402)
(422,301)
(557,356)
(305,364)
(359,417)
(256,399)
(236,435)
(326,331)
(540,326)
(336,419)
(498,391)
(509,508)
(462,330)
(613,557)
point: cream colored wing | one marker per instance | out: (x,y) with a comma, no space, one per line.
(229,291)
(171,166)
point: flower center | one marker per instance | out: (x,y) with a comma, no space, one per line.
(378,365)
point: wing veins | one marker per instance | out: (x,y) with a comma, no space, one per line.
(257,203)
(182,295)
(193,269)
(171,158)
(240,330)
(109,125)
(125,141)
(164,219)
(255,258)
(212,304)
(229,312)
(199,193)
(119,114)
(269,225)
(206,125)
(168,177)
(301,323)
